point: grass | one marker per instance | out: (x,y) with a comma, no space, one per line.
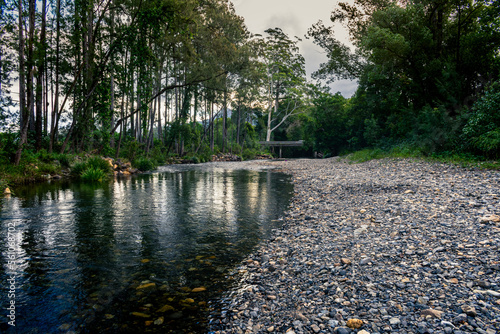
(25,173)
(460,159)
(92,174)
(92,169)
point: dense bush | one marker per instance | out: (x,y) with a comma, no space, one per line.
(92,174)
(482,131)
(144,164)
(92,169)
(8,146)
(131,149)
(434,130)
(98,163)
(249,154)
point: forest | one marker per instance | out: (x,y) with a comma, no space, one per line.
(149,81)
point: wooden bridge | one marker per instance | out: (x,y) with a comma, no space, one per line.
(280,144)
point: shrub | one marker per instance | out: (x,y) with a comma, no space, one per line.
(92,169)
(434,130)
(144,164)
(98,163)
(366,155)
(8,147)
(3,185)
(92,174)
(482,131)
(130,149)
(157,154)
(249,154)
(64,160)
(47,168)
(78,168)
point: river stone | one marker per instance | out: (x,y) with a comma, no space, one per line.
(429,254)
(461,318)
(354,323)
(469,310)
(432,313)
(342,330)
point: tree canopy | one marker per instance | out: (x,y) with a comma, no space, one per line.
(177,77)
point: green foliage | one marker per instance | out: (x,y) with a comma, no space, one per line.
(93,168)
(331,125)
(98,163)
(3,185)
(157,154)
(48,168)
(92,174)
(8,147)
(78,168)
(130,149)
(482,131)
(419,65)
(144,164)
(434,130)
(372,131)
(366,155)
(25,173)
(407,151)
(249,154)
(64,160)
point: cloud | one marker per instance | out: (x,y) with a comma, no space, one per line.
(295,17)
(288,22)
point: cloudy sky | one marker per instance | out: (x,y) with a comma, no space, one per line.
(295,17)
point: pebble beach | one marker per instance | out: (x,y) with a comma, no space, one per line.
(385,246)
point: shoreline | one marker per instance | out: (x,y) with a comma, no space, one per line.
(385,246)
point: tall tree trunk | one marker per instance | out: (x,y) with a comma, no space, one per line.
(269,117)
(39,80)
(55,107)
(31,64)
(131,94)
(23,110)
(238,124)
(224,122)
(122,128)
(211,126)
(160,136)
(112,82)
(149,143)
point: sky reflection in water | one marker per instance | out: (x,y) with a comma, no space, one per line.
(83,249)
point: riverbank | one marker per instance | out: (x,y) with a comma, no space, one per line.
(384,246)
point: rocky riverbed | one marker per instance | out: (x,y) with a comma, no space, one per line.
(386,246)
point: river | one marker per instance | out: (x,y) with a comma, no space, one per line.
(151,253)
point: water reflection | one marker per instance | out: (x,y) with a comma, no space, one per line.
(86,253)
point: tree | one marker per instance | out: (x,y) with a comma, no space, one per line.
(27,95)
(414,60)
(7,60)
(284,78)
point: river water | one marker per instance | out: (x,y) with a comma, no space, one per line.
(148,254)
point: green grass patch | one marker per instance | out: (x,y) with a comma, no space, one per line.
(22,174)
(465,160)
(92,174)
(92,169)
(367,155)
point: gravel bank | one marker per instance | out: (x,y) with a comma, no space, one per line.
(386,246)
